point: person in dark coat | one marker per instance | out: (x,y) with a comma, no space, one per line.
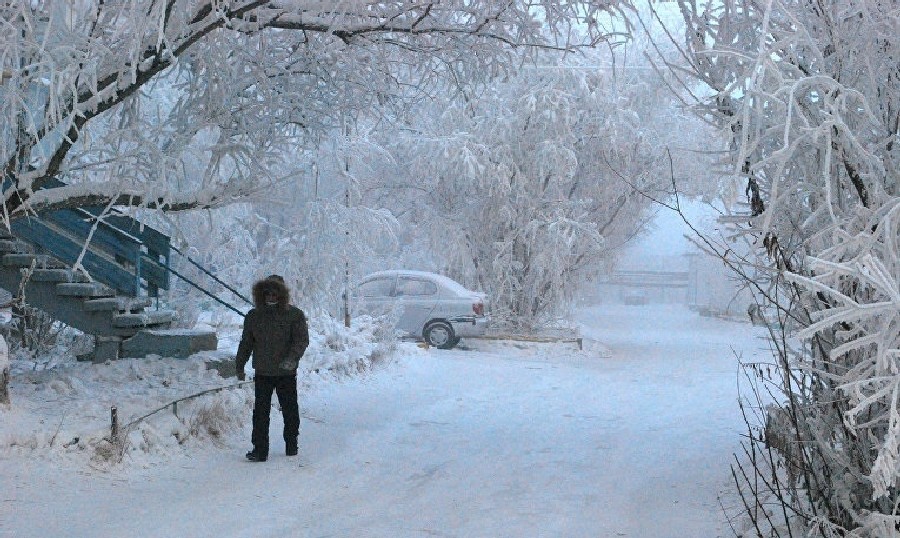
(276,335)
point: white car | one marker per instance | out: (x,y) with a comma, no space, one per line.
(430,306)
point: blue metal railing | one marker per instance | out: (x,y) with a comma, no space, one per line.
(118,258)
(130,257)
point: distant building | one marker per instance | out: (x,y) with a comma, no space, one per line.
(695,279)
(647,279)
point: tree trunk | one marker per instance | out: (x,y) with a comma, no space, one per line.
(4,385)
(4,372)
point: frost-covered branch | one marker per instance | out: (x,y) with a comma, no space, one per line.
(807,96)
(521,186)
(102,81)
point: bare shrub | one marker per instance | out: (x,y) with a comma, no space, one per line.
(33,330)
(211,420)
(110,450)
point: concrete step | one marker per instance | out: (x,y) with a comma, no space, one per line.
(14,246)
(84,289)
(169,343)
(58,275)
(122,326)
(25,260)
(150,318)
(118,303)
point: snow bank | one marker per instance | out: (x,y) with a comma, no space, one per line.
(61,408)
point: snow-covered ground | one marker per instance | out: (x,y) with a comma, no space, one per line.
(631,437)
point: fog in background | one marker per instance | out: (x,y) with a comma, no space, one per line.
(665,265)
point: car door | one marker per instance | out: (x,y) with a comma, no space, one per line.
(416,297)
(375,296)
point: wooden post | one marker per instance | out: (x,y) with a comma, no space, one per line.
(175,408)
(114,424)
(4,384)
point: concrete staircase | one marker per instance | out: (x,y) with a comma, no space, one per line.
(123,325)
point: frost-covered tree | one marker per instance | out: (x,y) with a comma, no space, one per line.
(808,96)
(183,104)
(189,103)
(304,231)
(198,104)
(527,190)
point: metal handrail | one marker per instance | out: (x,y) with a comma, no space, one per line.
(174,404)
(197,286)
(145,263)
(214,277)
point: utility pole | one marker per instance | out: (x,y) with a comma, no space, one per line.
(316,182)
(347,226)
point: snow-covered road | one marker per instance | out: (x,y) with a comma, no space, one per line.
(499,440)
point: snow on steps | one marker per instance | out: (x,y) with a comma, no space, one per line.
(122,326)
(118,303)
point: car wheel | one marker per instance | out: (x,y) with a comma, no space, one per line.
(440,335)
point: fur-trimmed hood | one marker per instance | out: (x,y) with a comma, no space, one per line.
(271,284)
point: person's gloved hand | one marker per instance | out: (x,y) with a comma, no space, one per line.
(288,364)
(241,375)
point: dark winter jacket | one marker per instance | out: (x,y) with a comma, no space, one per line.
(276,335)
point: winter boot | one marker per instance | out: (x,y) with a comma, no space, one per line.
(253,455)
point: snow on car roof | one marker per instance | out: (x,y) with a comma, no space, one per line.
(445,281)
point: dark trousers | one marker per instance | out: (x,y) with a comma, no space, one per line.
(285,387)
